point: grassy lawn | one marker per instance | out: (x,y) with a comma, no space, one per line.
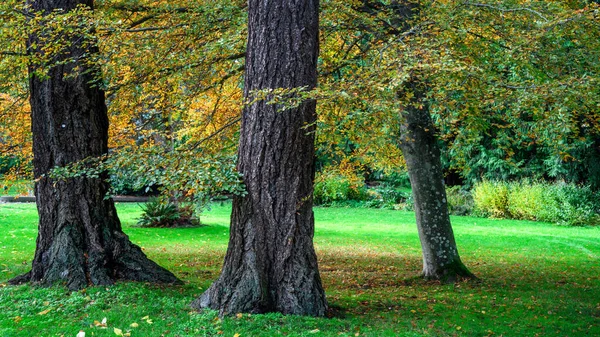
(537,279)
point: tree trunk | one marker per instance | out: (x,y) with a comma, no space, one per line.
(422,155)
(80,242)
(270,265)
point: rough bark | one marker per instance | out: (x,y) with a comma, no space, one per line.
(270,265)
(80,241)
(419,146)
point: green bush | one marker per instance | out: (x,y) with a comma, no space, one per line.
(575,205)
(529,201)
(491,199)
(460,201)
(560,203)
(158,213)
(386,195)
(331,187)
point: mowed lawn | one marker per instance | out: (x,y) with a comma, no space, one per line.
(536,279)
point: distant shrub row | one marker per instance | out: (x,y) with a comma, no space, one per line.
(560,203)
(335,189)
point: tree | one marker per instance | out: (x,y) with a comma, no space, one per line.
(394,91)
(421,151)
(80,241)
(270,263)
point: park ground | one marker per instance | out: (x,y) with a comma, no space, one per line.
(535,279)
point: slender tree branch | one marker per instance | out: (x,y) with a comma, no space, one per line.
(214,134)
(507,10)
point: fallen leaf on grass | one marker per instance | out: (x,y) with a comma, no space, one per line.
(118,331)
(81,333)
(236,335)
(314,331)
(17,319)
(134,325)
(101,324)
(44,312)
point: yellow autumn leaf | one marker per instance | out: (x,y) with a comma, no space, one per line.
(236,335)
(134,325)
(44,312)
(118,331)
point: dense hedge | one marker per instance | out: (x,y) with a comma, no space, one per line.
(526,200)
(560,203)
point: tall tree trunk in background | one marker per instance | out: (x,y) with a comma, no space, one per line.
(80,241)
(270,265)
(422,155)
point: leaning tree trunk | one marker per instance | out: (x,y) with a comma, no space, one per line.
(422,155)
(80,242)
(270,265)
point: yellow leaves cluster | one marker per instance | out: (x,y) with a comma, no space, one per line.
(15,127)
(103,324)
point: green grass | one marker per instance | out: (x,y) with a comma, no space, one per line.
(537,279)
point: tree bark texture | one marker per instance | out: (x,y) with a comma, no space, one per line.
(80,241)
(419,146)
(271,265)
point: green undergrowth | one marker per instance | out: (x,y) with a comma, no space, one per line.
(536,279)
(15,188)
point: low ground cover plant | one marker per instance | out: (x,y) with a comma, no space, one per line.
(165,213)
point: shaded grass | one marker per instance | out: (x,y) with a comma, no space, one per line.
(536,279)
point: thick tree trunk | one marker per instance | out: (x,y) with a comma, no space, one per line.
(270,265)
(422,155)
(80,241)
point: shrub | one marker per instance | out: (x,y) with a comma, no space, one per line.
(573,205)
(491,199)
(386,195)
(529,201)
(158,213)
(333,187)
(560,203)
(460,201)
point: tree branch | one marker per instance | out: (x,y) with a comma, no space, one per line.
(506,10)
